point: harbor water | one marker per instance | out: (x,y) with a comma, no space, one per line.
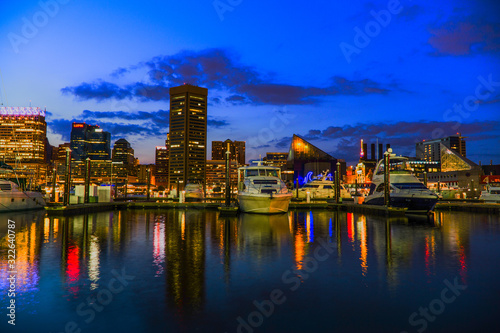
(304,271)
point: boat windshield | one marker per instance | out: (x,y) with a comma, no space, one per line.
(262,172)
(396,166)
(410,186)
(310,186)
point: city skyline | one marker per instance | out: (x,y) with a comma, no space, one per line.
(401,72)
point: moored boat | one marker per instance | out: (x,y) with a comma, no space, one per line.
(406,190)
(322,188)
(13,199)
(491,193)
(261,190)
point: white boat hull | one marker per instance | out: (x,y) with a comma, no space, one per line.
(264,203)
(20,201)
(488,197)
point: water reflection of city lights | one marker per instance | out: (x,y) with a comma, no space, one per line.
(430,254)
(46,230)
(159,248)
(183,225)
(350,227)
(300,246)
(310,227)
(361,228)
(94,264)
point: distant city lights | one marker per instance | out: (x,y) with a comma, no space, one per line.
(17,111)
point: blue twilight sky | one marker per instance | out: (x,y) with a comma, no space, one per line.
(333,72)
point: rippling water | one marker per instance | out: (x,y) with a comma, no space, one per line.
(178,270)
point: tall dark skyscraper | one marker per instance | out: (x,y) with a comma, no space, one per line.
(188,135)
(89,141)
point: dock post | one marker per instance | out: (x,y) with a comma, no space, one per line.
(68,177)
(87,180)
(149,181)
(125,193)
(54,180)
(337,184)
(297,188)
(228,174)
(425,178)
(387,198)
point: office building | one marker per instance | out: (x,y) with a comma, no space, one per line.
(188,136)
(216,176)
(276,159)
(23,134)
(123,152)
(89,141)
(161,162)
(430,150)
(99,143)
(237,149)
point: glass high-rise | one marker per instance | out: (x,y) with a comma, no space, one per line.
(188,135)
(89,141)
(23,135)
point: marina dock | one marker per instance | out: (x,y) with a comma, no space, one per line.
(349,206)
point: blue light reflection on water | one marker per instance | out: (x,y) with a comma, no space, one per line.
(193,270)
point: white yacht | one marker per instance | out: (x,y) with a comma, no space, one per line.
(491,193)
(13,199)
(322,188)
(261,190)
(406,190)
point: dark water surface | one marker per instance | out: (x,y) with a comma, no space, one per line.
(184,271)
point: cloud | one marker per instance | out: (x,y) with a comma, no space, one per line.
(236,99)
(217,123)
(124,123)
(464,38)
(99,91)
(217,69)
(119,72)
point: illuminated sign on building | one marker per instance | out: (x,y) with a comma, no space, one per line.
(17,111)
(78,125)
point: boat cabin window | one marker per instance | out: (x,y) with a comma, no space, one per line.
(328,187)
(252,172)
(495,191)
(380,188)
(395,166)
(5,187)
(269,172)
(410,186)
(265,181)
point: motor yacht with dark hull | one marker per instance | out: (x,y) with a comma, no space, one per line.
(406,190)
